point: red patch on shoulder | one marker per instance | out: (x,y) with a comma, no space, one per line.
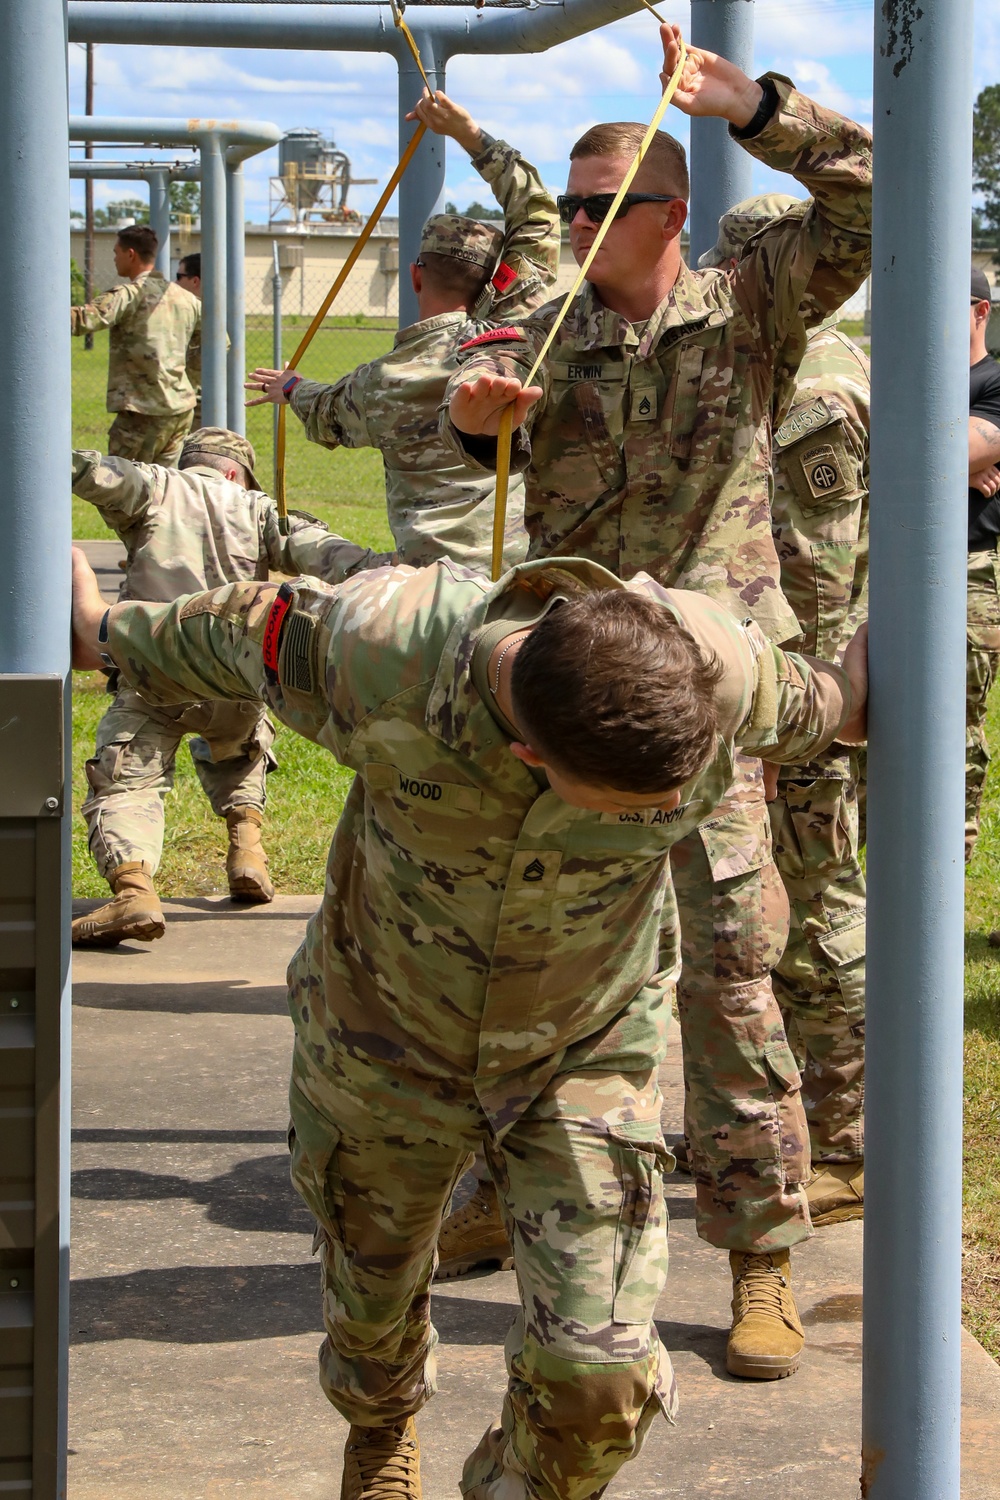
(504,277)
(493,336)
(272,631)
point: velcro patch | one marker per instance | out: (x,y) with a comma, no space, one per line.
(503,278)
(494,336)
(296,654)
(821,467)
(805,419)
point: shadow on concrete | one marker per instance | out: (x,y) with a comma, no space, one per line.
(680,1208)
(193,997)
(197,1305)
(254,1195)
(111,1135)
(702,1339)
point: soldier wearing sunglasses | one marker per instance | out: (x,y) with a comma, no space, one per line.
(645,446)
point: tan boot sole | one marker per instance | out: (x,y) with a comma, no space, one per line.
(144,929)
(764,1367)
(246,888)
(838,1215)
(464,1265)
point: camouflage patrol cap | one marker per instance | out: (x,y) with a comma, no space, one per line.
(219,442)
(743,220)
(460,238)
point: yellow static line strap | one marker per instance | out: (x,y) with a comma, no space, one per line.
(504,433)
(397,16)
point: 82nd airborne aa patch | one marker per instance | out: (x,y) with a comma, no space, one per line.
(822,470)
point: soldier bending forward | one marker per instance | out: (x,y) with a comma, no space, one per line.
(478,972)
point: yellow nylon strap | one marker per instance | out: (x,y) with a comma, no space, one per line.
(345,271)
(397,16)
(505,431)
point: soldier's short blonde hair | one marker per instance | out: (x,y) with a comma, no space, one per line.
(664,164)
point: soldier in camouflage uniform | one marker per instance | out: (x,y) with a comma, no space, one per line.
(819,518)
(983,630)
(184,530)
(189,277)
(524,879)
(646,445)
(468,277)
(152,322)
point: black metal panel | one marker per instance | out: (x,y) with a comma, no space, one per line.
(33,964)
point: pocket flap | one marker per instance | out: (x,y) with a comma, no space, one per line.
(845,946)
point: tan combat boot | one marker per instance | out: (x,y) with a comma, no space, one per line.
(473,1237)
(766,1338)
(382,1463)
(246,862)
(133,913)
(836,1192)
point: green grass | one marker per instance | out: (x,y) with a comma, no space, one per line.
(306,794)
(345,489)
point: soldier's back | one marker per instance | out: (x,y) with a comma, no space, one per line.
(148,355)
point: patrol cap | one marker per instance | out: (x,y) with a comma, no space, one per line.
(743,220)
(459,238)
(219,442)
(980,286)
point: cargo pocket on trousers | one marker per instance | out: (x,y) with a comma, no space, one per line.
(786,1082)
(640,1268)
(312,1145)
(845,949)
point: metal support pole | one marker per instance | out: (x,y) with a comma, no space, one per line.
(235,301)
(919,478)
(35,439)
(213,284)
(721,171)
(421,192)
(88,200)
(277,354)
(159,216)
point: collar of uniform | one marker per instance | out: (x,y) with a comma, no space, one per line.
(430,325)
(594,326)
(453,698)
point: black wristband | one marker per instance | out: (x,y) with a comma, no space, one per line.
(102,629)
(766,110)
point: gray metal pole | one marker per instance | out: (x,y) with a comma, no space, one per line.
(213,284)
(721,171)
(421,192)
(919,469)
(277,354)
(35,439)
(159,216)
(235,300)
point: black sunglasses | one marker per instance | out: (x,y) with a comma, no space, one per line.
(596,206)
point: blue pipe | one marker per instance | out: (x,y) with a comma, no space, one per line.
(919,479)
(721,171)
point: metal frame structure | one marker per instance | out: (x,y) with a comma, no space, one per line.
(721,171)
(923,115)
(158,176)
(223,146)
(440,31)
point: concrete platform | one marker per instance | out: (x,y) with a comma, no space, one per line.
(195,1312)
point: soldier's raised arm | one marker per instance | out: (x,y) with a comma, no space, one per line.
(120,489)
(802,705)
(106,309)
(334,416)
(529,258)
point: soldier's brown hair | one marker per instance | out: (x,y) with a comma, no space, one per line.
(453,277)
(140,238)
(611,690)
(664,165)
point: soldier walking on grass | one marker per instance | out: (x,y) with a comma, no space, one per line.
(204,524)
(468,277)
(480,965)
(646,446)
(151,324)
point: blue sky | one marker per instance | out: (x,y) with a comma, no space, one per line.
(540,103)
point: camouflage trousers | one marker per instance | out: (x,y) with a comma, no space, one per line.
(819,981)
(982,656)
(132,770)
(580,1182)
(149,440)
(743,1113)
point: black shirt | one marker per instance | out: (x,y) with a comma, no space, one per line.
(984,401)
